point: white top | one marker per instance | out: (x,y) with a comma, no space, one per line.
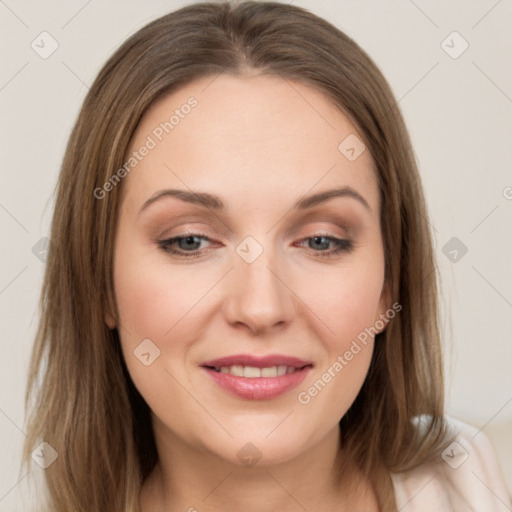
(467,478)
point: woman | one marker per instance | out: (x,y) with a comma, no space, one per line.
(239,308)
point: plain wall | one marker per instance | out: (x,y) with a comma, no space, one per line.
(458,111)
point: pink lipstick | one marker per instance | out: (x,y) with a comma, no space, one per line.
(257,378)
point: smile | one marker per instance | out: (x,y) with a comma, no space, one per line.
(252,372)
(257,378)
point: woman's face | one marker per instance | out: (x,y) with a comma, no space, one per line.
(246,303)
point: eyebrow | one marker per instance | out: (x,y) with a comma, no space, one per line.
(214,202)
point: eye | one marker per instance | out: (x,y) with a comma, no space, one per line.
(320,245)
(188,244)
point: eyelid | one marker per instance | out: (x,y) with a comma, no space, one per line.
(341,245)
(335,223)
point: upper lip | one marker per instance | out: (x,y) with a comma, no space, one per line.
(257,361)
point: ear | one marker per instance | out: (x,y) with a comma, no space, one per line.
(110,321)
(110,318)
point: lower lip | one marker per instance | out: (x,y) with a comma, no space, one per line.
(258,388)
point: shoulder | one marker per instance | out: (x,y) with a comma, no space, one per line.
(467,477)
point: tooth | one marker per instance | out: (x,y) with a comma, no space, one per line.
(281,370)
(269,372)
(237,370)
(251,371)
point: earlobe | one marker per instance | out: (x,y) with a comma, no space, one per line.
(110,313)
(110,320)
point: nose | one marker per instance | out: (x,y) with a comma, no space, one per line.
(258,296)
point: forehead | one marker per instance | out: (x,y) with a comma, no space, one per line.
(248,138)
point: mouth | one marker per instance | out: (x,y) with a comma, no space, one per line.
(257,378)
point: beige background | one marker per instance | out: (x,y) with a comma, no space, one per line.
(458,111)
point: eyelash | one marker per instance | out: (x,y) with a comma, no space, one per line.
(342,245)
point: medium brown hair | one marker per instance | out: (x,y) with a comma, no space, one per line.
(86,406)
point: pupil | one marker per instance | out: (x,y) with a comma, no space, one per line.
(189,240)
(317,240)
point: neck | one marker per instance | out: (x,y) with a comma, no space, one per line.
(190,478)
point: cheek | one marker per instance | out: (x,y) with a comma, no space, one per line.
(139,300)
(347,303)
(167,305)
(153,298)
(347,300)
(156,303)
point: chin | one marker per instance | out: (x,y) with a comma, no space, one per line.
(259,447)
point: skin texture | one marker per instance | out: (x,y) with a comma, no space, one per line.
(260,143)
